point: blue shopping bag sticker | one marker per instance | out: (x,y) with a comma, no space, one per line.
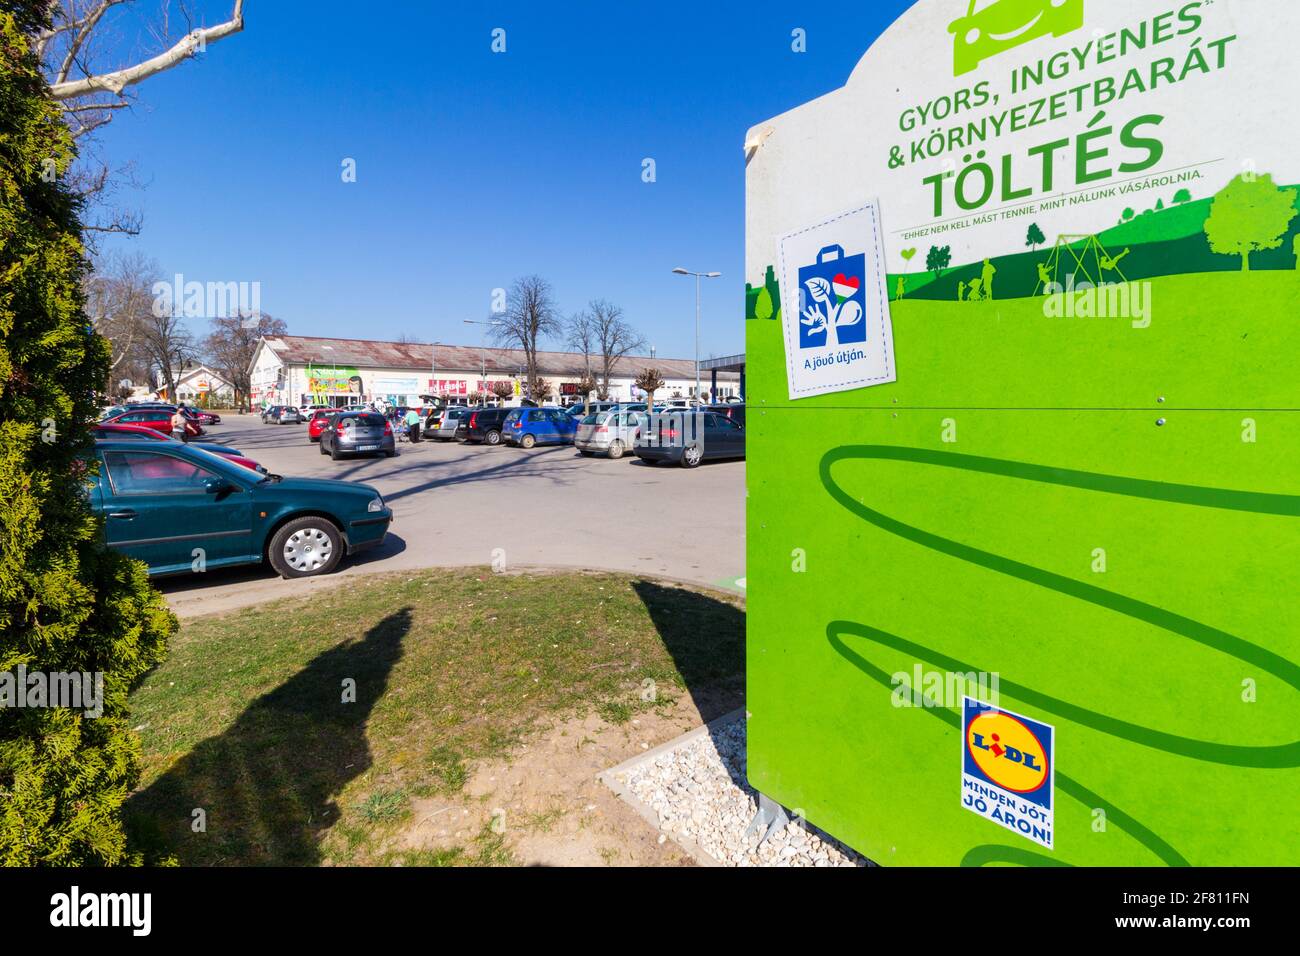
(833,300)
(838,335)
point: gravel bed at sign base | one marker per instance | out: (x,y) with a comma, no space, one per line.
(698,791)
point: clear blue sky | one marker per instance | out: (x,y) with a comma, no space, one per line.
(474,168)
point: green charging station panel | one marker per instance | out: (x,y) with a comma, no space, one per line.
(1023,347)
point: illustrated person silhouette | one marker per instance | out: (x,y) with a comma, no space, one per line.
(1044,276)
(987,275)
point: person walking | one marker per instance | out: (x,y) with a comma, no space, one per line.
(178,426)
(413,425)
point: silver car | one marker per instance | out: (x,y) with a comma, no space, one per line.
(445,430)
(357,433)
(609,433)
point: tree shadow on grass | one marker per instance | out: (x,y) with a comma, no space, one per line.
(268,784)
(706,638)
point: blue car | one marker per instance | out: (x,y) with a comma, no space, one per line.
(527,427)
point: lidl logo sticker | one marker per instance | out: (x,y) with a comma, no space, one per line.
(1008,769)
(838,335)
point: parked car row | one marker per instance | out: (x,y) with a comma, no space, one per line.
(197,415)
(682,435)
(158,416)
(610,429)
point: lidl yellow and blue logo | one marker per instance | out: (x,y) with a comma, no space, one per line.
(1007,769)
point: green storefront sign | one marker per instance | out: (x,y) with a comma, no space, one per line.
(1025,431)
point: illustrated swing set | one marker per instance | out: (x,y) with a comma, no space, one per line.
(1092,262)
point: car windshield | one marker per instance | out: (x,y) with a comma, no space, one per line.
(223,464)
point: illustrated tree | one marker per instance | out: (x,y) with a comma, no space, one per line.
(650,381)
(763,307)
(1182,196)
(1248,215)
(1034,238)
(938,259)
(68,605)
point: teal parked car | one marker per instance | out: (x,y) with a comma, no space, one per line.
(178,509)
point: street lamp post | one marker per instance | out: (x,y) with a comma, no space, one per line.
(698,276)
(481,355)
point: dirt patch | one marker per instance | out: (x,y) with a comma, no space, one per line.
(547,802)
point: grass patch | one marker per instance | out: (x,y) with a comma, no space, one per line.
(305,728)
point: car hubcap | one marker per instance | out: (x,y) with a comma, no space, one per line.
(308,549)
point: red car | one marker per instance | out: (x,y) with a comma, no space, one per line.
(320,420)
(106,430)
(158,419)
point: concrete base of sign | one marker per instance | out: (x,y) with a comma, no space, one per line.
(693,790)
(616,779)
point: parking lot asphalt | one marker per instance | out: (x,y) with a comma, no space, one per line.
(455,504)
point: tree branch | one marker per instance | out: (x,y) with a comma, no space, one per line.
(182,50)
(85,27)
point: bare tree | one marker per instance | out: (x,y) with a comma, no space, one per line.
(71,52)
(119,298)
(580,335)
(530,317)
(614,339)
(231,345)
(166,346)
(90,59)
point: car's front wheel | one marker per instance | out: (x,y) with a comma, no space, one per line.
(306,547)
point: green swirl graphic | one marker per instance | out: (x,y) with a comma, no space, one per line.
(1279,756)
